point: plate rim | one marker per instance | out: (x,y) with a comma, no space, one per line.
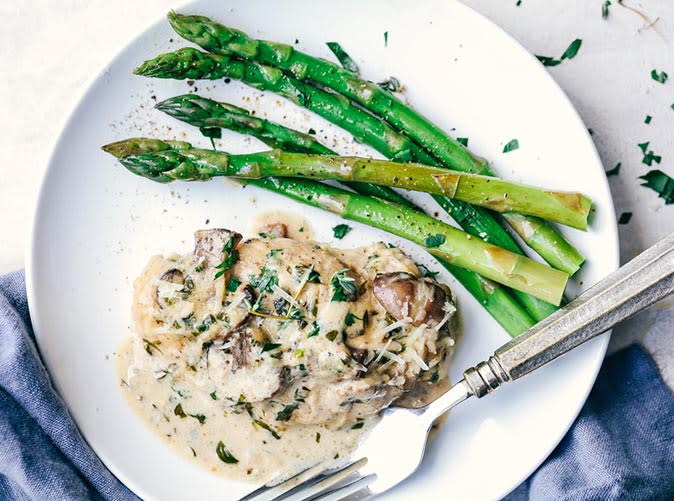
(99,74)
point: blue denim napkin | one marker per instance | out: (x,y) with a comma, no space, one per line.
(620,447)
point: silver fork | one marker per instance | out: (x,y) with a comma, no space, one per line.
(635,286)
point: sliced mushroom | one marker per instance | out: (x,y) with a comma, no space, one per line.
(278,230)
(405,296)
(174,275)
(208,244)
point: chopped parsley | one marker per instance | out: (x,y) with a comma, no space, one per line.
(569,53)
(233,284)
(358,425)
(604,9)
(178,411)
(274,252)
(659,77)
(462,140)
(614,171)
(286,413)
(661,183)
(343,286)
(511,145)
(648,119)
(350,319)
(318,438)
(341,230)
(213,395)
(391,84)
(230,258)
(313,277)
(270,346)
(572,49)
(343,58)
(224,454)
(548,61)
(625,218)
(434,240)
(649,155)
(332,335)
(386,39)
(315,330)
(265,281)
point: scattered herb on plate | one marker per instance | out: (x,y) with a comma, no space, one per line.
(341,230)
(614,171)
(661,183)
(512,145)
(625,218)
(660,77)
(343,57)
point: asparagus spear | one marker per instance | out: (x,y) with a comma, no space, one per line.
(165,161)
(568,208)
(205,113)
(191,63)
(216,38)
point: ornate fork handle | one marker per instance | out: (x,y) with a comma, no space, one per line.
(646,279)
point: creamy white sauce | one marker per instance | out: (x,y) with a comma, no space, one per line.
(298,396)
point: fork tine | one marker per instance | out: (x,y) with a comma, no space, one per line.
(347,490)
(268,493)
(330,479)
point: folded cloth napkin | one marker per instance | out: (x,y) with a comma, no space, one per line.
(620,447)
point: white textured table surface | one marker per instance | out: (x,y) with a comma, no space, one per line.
(51,49)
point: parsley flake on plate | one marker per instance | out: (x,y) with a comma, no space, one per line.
(341,230)
(512,145)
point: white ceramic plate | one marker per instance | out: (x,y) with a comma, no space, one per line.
(96,225)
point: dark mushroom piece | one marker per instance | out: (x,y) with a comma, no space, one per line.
(174,275)
(209,244)
(405,296)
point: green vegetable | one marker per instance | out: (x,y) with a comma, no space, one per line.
(386,39)
(659,77)
(224,455)
(341,230)
(661,183)
(512,145)
(217,38)
(358,425)
(343,58)
(343,286)
(648,119)
(463,141)
(165,161)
